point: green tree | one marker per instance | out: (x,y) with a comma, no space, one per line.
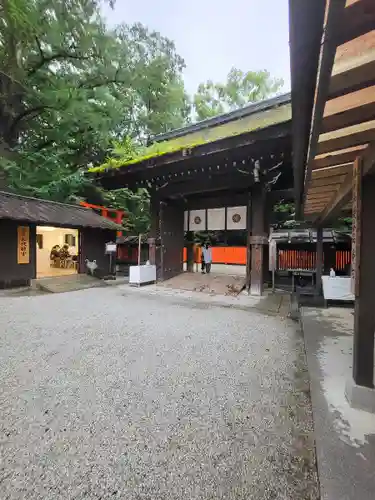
(240,88)
(69,87)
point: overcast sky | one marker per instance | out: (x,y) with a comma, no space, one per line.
(214,35)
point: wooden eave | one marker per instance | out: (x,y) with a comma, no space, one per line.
(343,121)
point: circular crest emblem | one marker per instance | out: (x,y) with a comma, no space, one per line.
(236,218)
(197,220)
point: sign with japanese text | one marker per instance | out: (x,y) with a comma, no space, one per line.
(23,245)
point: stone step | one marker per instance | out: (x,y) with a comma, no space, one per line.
(71,283)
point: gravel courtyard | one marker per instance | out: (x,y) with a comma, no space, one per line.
(111,393)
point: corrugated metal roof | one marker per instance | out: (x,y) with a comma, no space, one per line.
(45,212)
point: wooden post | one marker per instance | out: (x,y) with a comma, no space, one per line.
(153,240)
(257,240)
(139,249)
(319,260)
(248,243)
(363,269)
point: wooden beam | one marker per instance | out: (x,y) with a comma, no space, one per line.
(323,189)
(364,271)
(333,15)
(347,137)
(349,109)
(354,66)
(356,20)
(339,157)
(328,181)
(206,184)
(342,197)
(319,197)
(327,172)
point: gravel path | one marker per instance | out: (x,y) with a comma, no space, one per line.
(108,394)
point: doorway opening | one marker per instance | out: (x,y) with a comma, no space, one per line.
(57,251)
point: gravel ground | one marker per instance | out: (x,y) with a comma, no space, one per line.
(106,393)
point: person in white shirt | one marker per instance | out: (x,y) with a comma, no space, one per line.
(207,258)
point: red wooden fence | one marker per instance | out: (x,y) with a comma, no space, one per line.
(287,259)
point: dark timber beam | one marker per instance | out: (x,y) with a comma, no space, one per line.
(327,55)
(235,181)
(364,311)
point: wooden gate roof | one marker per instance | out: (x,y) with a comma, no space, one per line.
(50,213)
(210,155)
(333,101)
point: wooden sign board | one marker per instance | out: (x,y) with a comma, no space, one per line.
(23,245)
(110,247)
(356,226)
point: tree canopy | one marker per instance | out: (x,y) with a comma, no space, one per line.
(70,87)
(240,88)
(74,93)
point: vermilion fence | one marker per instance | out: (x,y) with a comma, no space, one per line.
(223,255)
(287,259)
(343,259)
(296,259)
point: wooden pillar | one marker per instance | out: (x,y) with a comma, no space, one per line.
(154,239)
(363,275)
(319,260)
(190,252)
(257,240)
(248,242)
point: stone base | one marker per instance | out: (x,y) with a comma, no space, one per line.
(360,397)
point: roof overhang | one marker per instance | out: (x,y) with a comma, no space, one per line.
(226,163)
(50,213)
(342,125)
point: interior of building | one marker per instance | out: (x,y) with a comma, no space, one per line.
(57,251)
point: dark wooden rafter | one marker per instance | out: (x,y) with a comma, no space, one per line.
(327,55)
(305,33)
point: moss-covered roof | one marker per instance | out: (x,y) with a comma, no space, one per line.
(250,119)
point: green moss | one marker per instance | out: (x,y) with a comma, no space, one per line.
(249,123)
